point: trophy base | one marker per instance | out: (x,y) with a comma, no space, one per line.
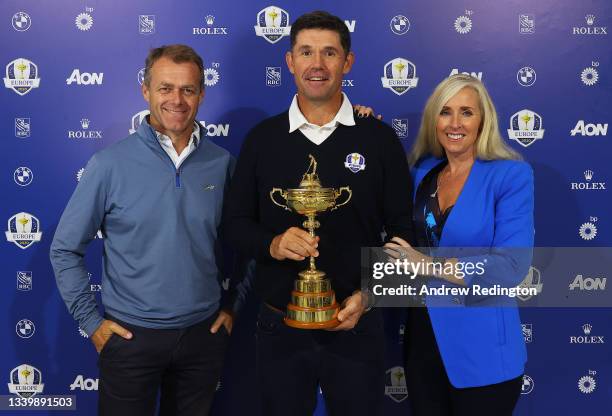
(312,318)
(312,325)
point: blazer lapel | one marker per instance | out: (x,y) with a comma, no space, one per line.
(461,214)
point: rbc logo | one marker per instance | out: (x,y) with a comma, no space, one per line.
(146,24)
(400,125)
(273,76)
(24,280)
(22,127)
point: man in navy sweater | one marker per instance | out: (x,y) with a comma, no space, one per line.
(364,154)
(157,198)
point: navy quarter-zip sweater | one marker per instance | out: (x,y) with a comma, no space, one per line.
(160,225)
(272,157)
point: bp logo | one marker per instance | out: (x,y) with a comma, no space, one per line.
(399,76)
(21,76)
(272,24)
(26,381)
(526,127)
(23,230)
(395,384)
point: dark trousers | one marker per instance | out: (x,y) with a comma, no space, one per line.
(182,365)
(292,363)
(429,390)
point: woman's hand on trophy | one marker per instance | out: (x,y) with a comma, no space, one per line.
(398,248)
(350,312)
(295,244)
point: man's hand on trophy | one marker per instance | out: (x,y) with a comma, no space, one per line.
(350,312)
(106,329)
(295,244)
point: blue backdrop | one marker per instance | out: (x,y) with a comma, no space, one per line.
(72,87)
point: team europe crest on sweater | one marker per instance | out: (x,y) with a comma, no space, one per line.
(354,162)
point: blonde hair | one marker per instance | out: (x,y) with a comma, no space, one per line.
(489,143)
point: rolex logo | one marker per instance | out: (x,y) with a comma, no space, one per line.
(587,328)
(590,19)
(588,175)
(210,19)
(84,132)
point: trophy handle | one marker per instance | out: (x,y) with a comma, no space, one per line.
(283,195)
(339,192)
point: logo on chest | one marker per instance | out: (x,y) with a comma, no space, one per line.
(354,162)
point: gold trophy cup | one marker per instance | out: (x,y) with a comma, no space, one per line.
(313,302)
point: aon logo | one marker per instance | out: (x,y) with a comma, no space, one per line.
(87,384)
(590,129)
(214,130)
(85,78)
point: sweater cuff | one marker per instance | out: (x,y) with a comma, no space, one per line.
(91,324)
(263,251)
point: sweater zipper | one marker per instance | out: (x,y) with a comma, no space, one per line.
(177,172)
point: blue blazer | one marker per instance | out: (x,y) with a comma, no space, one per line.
(484,345)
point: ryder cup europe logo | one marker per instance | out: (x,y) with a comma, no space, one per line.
(395,384)
(26,381)
(533,280)
(400,75)
(23,230)
(21,76)
(137,120)
(272,24)
(354,162)
(526,127)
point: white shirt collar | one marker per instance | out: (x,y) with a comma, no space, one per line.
(343,116)
(194,139)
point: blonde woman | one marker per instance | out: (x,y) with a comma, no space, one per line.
(471,190)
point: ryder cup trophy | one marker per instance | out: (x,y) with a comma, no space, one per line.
(313,302)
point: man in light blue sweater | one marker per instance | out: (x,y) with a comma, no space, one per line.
(157,198)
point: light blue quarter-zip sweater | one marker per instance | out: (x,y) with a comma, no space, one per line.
(160,260)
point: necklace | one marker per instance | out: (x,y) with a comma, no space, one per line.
(439,182)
